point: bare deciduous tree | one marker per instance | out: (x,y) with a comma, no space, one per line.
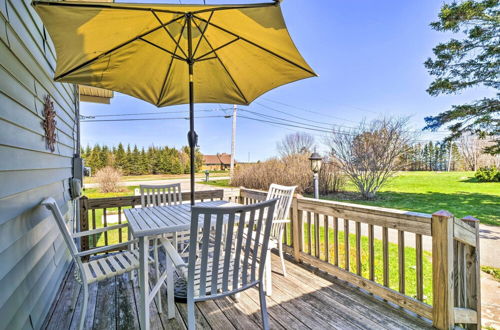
(296,143)
(471,149)
(371,153)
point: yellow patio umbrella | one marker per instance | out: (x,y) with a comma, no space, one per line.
(170,54)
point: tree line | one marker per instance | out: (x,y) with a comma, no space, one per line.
(135,161)
(432,156)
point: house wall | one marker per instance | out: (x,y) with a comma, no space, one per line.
(33,258)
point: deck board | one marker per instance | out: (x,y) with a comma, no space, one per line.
(302,300)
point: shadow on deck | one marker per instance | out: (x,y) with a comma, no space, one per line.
(301,300)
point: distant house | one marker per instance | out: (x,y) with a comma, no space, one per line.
(217,162)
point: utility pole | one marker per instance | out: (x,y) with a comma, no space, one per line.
(233,141)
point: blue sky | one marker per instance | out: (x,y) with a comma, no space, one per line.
(369,56)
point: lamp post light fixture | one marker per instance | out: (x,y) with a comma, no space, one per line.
(316,160)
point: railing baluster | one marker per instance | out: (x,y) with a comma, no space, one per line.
(419,268)
(309,236)
(401,260)
(358,248)
(336,239)
(385,255)
(326,232)
(300,217)
(105,225)
(371,253)
(346,244)
(317,236)
(120,239)
(94,238)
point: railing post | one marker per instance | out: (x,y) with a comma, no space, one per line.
(442,270)
(84,222)
(296,228)
(473,272)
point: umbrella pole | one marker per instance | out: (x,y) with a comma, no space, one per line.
(192,138)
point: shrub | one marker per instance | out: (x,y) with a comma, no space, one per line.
(293,170)
(331,179)
(108,179)
(488,174)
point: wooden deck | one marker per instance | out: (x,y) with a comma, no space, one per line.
(301,300)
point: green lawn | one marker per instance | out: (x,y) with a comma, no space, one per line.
(217,183)
(428,192)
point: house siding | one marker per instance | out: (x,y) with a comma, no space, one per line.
(33,257)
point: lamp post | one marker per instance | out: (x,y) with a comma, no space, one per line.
(315,159)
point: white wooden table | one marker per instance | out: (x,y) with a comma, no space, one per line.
(151,222)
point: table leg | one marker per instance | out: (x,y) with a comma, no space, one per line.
(170,288)
(144,281)
(268,275)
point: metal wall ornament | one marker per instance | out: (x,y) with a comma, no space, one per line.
(49,123)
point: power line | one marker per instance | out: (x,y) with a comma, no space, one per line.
(288,125)
(307,110)
(299,117)
(286,120)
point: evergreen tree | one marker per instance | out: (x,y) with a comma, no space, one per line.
(470,62)
(120,157)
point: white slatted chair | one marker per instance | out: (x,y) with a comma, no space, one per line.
(284,194)
(285,197)
(97,269)
(222,262)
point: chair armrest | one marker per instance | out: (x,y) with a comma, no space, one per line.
(98,230)
(105,248)
(172,253)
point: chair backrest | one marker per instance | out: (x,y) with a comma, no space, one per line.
(51,204)
(160,195)
(223,257)
(285,197)
(284,194)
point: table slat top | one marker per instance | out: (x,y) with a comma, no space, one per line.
(157,220)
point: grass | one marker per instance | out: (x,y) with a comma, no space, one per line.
(217,183)
(410,260)
(495,272)
(428,192)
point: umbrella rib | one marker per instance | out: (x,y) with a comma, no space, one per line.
(165,50)
(222,64)
(202,34)
(168,32)
(258,46)
(243,6)
(62,75)
(216,49)
(162,90)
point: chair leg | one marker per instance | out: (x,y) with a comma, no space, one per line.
(190,314)
(280,250)
(263,307)
(157,270)
(84,305)
(268,274)
(170,289)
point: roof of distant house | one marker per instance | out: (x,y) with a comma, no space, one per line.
(219,159)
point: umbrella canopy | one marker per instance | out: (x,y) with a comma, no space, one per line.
(174,54)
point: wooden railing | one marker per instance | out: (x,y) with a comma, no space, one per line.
(97,213)
(428,264)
